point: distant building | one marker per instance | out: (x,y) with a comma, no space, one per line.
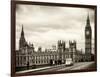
(39,49)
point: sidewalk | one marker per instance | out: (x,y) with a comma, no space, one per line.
(38,69)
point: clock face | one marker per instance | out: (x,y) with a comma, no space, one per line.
(87,32)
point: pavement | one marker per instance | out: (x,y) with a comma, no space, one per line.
(76,66)
(41,69)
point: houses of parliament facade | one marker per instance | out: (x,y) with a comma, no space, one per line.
(27,56)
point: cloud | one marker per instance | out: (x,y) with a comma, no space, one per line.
(45,25)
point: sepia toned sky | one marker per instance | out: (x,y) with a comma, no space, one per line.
(45,25)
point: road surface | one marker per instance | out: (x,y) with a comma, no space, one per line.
(76,66)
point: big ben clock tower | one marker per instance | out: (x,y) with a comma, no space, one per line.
(88,40)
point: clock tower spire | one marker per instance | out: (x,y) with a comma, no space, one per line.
(88,20)
(88,40)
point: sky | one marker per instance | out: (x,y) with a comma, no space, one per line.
(45,25)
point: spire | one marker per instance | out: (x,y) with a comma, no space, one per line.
(22,33)
(88,20)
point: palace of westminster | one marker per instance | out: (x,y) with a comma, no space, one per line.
(27,56)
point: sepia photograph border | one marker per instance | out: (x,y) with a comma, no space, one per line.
(13,35)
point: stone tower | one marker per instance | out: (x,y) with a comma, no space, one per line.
(61,50)
(88,39)
(72,50)
(22,41)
